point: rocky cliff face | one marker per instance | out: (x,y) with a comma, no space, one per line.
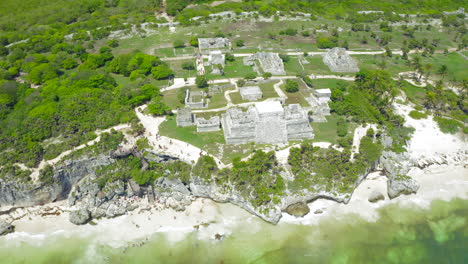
(13,193)
(397,166)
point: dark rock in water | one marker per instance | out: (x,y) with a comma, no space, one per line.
(298,209)
(80,217)
(376,196)
(6,228)
(318,211)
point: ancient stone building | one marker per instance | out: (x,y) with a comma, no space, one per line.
(184,117)
(297,123)
(319,102)
(238,126)
(217,60)
(206,45)
(212,124)
(267,61)
(338,60)
(196,99)
(266,123)
(251,93)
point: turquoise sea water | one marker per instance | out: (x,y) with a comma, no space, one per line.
(401,235)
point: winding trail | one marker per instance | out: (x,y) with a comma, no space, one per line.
(35,171)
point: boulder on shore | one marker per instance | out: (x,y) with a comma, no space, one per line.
(397,187)
(298,209)
(376,196)
(80,217)
(6,228)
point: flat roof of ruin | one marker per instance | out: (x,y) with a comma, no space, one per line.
(269,107)
(324,91)
(250,90)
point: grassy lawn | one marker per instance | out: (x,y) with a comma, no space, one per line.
(456,65)
(267,89)
(170,129)
(176,66)
(211,142)
(326,131)
(233,69)
(293,67)
(316,65)
(171,100)
(414,93)
(394,65)
(329,83)
(297,97)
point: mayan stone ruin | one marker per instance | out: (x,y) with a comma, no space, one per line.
(268,62)
(185,117)
(319,102)
(338,60)
(206,45)
(217,60)
(196,99)
(266,123)
(210,125)
(251,93)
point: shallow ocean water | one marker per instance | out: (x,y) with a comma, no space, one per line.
(400,235)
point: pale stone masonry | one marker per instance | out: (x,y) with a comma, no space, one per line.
(266,123)
(205,45)
(184,117)
(216,59)
(319,103)
(268,62)
(196,99)
(251,93)
(210,125)
(338,60)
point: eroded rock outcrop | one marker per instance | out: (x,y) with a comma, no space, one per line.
(6,228)
(14,193)
(298,209)
(80,217)
(397,166)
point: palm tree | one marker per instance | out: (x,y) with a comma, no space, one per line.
(443,70)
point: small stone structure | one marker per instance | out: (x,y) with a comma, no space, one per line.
(238,126)
(185,117)
(460,10)
(206,45)
(266,123)
(297,123)
(319,103)
(196,99)
(268,62)
(251,93)
(210,125)
(216,59)
(215,89)
(338,60)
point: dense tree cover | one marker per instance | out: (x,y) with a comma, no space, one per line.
(291,86)
(336,9)
(314,167)
(369,101)
(26,17)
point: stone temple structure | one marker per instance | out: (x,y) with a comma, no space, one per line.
(185,117)
(268,62)
(266,123)
(210,125)
(214,59)
(338,60)
(205,45)
(319,103)
(251,93)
